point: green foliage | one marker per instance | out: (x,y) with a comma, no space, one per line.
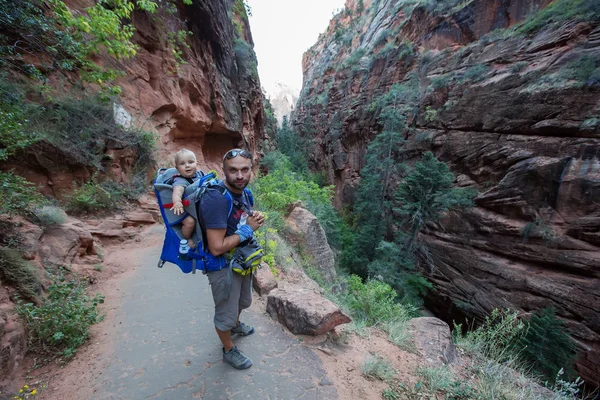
(437,378)
(518,67)
(245,59)
(541,229)
(14,132)
(375,302)
(271,120)
(497,338)
(293,146)
(81,128)
(560,11)
(354,58)
(242,9)
(19,273)
(440,82)
(427,192)
(17,195)
(407,50)
(373,207)
(266,238)
(63,41)
(547,345)
(177,41)
(90,197)
(376,367)
(48,215)
(282,187)
(61,324)
(395,265)
(475,73)
(431,114)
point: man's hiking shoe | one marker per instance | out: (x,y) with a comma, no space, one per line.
(243,330)
(236,358)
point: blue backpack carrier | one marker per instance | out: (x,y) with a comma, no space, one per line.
(198,257)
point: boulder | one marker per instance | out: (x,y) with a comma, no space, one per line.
(304,312)
(62,244)
(433,340)
(13,339)
(264,280)
(307,230)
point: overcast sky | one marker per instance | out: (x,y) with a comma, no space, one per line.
(282,31)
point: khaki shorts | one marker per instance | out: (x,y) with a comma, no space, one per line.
(232,293)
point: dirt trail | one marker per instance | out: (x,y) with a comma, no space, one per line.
(158,342)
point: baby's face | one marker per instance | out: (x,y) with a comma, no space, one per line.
(187,165)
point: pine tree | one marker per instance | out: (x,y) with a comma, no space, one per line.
(426,193)
(547,345)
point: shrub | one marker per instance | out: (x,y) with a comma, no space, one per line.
(436,378)
(547,345)
(49,215)
(83,127)
(561,10)
(374,302)
(440,82)
(518,67)
(17,195)
(90,197)
(19,273)
(245,58)
(61,324)
(375,367)
(475,73)
(431,114)
(497,338)
(354,58)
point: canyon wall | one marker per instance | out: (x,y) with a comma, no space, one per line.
(514,110)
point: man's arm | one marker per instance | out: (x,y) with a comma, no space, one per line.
(218,243)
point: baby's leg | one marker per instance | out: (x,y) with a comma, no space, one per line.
(187,227)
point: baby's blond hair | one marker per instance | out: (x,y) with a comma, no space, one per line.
(183,152)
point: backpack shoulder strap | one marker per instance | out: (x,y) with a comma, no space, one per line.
(250,196)
(223,190)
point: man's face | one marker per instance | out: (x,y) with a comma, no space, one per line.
(237,173)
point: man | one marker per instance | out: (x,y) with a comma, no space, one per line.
(232,292)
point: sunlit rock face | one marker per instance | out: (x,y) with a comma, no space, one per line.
(516,116)
(283,99)
(210,104)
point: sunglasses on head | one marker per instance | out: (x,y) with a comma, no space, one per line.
(237,152)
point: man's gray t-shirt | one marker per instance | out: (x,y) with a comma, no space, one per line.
(214,207)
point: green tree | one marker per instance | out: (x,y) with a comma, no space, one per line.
(293,146)
(547,345)
(373,206)
(426,193)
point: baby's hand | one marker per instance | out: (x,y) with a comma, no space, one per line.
(177,208)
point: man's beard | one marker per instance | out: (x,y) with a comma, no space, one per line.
(236,186)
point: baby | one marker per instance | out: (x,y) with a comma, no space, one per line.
(187,166)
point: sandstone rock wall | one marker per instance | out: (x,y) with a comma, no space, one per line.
(513,115)
(210,104)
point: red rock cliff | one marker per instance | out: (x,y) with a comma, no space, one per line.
(515,115)
(212,103)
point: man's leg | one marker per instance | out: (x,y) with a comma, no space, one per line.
(225,338)
(244,302)
(226,314)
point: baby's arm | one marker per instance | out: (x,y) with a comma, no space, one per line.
(177,203)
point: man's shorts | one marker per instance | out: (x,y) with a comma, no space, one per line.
(232,293)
